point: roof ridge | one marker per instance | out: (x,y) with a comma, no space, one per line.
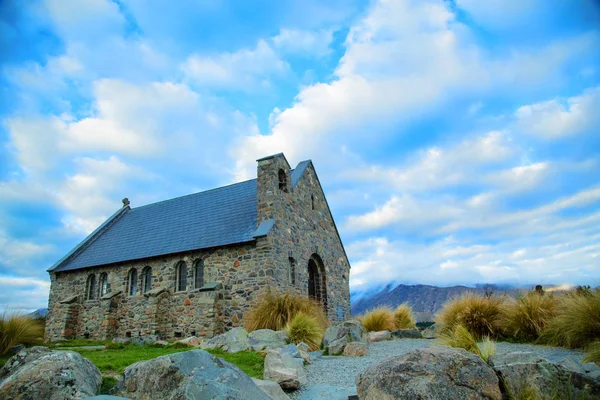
(192,194)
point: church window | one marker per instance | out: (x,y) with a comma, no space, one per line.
(132,282)
(199,274)
(90,287)
(181,276)
(282,181)
(312,201)
(147,279)
(292,271)
(103,284)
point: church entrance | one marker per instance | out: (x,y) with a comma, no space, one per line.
(317,282)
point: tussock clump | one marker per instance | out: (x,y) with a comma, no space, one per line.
(592,353)
(577,320)
(403,317)
(304,328)
(478,314)
(461,338)
(526,318)
(378,319)
(487,348)
(16,328)
(275,311)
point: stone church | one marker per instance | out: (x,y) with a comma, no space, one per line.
(192,265)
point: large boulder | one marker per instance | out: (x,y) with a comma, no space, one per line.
(304,353)
(336,336)
(336,347)
(262,339)
(39,373)
(271,389)
(326,392)
(524,371)
(191,341)
(436,373)
(431,332)
(193,374)
(231,341)
(356,349)
(406,334)
(379,336)
(283,368)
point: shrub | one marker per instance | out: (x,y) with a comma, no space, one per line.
(304,328)
(274,311)
(487,348)
(461,338)
(403,317)
(18,329)
(378,319)
(526,318)
(478,314)
(592,353)
(577,320)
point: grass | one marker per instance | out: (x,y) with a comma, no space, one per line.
(487,348)
(275,311)
(304,328)
(108,382)
(378,319)
(478,314)
(461,338)
(592,353)
(526,318)
(577,320)
(403,317)
(16,328)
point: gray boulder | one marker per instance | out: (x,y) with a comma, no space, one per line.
(284,369)
(326,392)
(39,373)
(336,336)
(121,340)
(379,336)
(193,374)
(262,339)
(304,353)
(191,341)
(356,349)
(271,389)
(106,397)
(336,347)
(522,371)
(431,332)
(406,334)
(231,341)
(439,373)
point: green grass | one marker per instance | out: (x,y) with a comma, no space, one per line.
(3,360)
(108,382)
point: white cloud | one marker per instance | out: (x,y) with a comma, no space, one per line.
(554,119)
(302,42)
(241,70)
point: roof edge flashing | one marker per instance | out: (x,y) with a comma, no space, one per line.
(264,228)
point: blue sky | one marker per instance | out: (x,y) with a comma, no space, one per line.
(458,141)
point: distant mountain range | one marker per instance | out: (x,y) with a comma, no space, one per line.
(39,313)
(425,300)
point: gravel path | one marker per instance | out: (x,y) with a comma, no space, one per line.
(342,371)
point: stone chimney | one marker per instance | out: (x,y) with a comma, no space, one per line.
(273,186)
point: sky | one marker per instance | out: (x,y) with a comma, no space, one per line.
(458,142)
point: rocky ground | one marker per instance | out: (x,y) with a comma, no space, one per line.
(341,371)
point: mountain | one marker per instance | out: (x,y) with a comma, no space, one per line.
(39,313)
(425,300)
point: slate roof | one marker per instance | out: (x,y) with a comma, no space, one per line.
(213,218)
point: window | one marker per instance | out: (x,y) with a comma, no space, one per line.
(132,282)
(147,279)
(292,271)
(199,274)
(282,181)
(312,201)
(103,284)
(90,288)
(181,276)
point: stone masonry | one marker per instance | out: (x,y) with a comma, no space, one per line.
(301,253)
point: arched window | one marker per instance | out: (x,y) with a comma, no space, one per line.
(132,282)
(199,274)
(181,276)
(103,284)
(312,201)
(282,180)
(90,287)
(147,280)
(292,271)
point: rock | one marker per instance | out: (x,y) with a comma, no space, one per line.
(356,349)
(144,340)
(332,333)
(38,373)
(406,334)
(336,347)
(326,392)
(520,371)
(379,336)
(272,389)
(356,327)
(121,340)
(236,340)
(352,330)
(302,346)
(191,341)
(106,397)
(439,373)
(304,353)
(431,332)
(15,349)
(262,339)
(290,349)
(161,343)
(590,369)
(284,369)
(193,374)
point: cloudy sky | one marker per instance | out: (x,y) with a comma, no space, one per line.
(458,142)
